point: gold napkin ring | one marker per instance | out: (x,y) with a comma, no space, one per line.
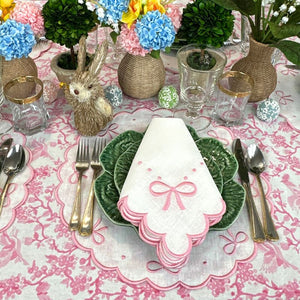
(23,79)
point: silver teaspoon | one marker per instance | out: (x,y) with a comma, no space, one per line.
(14,163)
(257,165)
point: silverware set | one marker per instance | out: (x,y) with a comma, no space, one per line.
(83,162)
(255,162)
(12,161)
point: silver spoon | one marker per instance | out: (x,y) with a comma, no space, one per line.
(14,163)
(257,165)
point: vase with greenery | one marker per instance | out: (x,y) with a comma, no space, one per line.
(65,22)
(206,24)
(272,23)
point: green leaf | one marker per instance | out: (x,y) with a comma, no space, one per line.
(155,53)
(290,49)
(246,7)
(284,31)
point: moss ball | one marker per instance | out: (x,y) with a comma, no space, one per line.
(168,97)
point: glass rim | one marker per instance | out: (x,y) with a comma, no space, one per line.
(236,74)
(23,79)
(197,47)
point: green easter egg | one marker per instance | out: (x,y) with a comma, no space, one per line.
(168,97)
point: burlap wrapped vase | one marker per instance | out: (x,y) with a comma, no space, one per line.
(141,77)
(17,67)
(257,64)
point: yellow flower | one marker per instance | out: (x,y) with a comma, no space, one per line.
(153,5)
(6,3)
(134,10)
(6,6)
(140,7)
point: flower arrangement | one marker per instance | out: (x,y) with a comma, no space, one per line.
(29,13)
(272,22)
(144,26)
(16,38)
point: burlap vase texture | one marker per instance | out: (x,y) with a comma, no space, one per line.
(17,67)
(141,77)
(63,75)
(257,64)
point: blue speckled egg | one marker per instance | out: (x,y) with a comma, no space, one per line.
(168,97)
(114,94)
(268,110)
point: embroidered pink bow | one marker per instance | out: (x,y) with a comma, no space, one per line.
(169,190)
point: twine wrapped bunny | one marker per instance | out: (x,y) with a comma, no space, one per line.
(92,111)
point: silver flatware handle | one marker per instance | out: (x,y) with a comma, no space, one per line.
(4,191)
(86,226)
(74,223)
(256,227)
(268,224)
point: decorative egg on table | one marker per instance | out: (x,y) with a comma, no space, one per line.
(168,97)
(114,95)
(268,110)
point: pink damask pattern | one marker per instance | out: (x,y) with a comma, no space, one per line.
(41,259)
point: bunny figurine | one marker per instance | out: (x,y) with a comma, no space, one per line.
(92,111)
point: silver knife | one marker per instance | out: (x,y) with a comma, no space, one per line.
(4,148)
(257,231)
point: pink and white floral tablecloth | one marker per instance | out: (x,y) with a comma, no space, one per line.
(41,259)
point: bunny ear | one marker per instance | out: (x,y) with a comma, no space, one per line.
(81,57)
(98,60)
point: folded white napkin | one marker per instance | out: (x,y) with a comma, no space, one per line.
(169,192)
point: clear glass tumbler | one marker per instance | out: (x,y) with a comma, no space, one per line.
(29,113)
(233,92)
(197,86)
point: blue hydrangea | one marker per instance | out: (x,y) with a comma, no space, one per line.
(155,31)
(111,11)
(16,39)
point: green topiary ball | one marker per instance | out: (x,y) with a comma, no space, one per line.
(205,23)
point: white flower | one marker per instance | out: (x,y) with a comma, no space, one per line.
(291,9)
(100,12)
(266,2)
(90,6)
(297,2)
(284,20)
(115,27)
(283,7)
(80,1)
(275,13)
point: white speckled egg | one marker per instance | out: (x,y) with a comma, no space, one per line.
(114,94)
(268,110)
(168,97)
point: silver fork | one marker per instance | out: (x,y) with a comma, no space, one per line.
(86,226)
(82,164)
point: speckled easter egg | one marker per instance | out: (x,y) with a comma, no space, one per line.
(268,110)
(114,95)
(168,97)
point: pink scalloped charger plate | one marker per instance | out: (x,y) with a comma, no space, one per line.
(119,248)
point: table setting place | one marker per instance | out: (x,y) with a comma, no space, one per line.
(149,149)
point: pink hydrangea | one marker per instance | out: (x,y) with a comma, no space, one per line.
(130,41)
(29,13)
(174,12)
